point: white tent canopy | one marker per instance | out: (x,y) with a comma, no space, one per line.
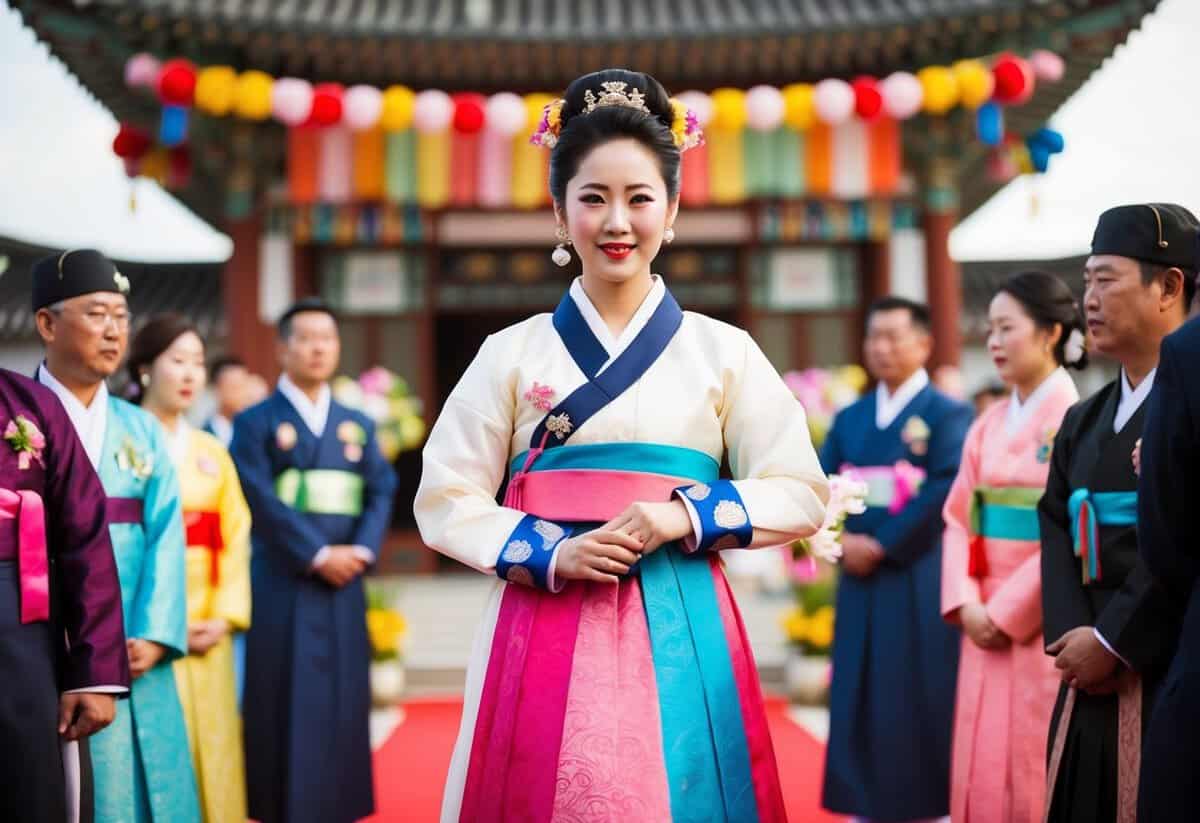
(1132,135)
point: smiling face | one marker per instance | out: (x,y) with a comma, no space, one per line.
(616,211)
(177,376)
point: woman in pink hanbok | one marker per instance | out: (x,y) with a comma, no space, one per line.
(991,575)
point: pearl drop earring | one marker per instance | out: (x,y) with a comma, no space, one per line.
(669,235)
(560,255)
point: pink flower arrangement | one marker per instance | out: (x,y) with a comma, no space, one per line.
(26,440)
(847,496)
(825,392)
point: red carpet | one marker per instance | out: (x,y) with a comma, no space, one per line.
(410,768)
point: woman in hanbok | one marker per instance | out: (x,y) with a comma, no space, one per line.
(991,575)
(611,679)
(166,363)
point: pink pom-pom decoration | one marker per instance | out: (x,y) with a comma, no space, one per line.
(291,100)
(868,101)
(764,108)
(1047,65)
(141,71)
(834,101)
(361,107)
(1014,80)
(700,104)
(902,95)
(433,111)
(504,114)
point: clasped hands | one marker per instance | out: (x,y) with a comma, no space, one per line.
(341,565)
(606,553)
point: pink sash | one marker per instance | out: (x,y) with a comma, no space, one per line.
(27,543)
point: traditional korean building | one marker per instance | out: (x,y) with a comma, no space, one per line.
(794,229)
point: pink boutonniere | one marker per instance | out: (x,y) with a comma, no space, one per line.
(26,440)
(540,396)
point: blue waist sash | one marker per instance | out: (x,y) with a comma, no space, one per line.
(1088,511)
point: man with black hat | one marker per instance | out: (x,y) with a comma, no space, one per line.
(1110,625)
(320,493)
(141,763)
(1169,538)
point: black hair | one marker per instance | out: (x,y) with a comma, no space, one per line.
(1150,271)
(581,131)
(219,365)
(918,312)
(1049,302)
(308,304)
(151,340)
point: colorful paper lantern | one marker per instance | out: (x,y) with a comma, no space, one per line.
(1047,66)
(303,163)
(130,142)
(834,100)
(975,83)
(173,126)
(939,89)
(433,111)
(335,171)
(291,101)
(141,71)
(361,107)
(398,105)
(799,109)
(252,96)
(368,162)
(902,95)
(327,105)
(868,101)
(729,109)
(764,108)
(494,184)
(468,112)
(215,89)
(504,114)
(989,124)
(1014,80)
(177,82)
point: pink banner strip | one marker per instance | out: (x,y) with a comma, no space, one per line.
(33,563)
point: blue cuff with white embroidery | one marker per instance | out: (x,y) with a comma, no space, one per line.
(718,509)
(528,553)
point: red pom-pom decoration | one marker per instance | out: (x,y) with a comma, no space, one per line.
(326,104)
(177,83)
(868,101)
(1014,80)
(131,143)
(468,112)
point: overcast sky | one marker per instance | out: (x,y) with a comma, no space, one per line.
(1131,135)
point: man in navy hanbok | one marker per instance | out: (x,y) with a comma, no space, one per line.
(321,495)
(894,660)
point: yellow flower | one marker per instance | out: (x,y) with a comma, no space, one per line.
(678,121)
(385,627)
(820,628)
(795,625)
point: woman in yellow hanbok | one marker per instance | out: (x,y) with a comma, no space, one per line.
(167,366)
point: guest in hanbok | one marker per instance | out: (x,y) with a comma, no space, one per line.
(166,362)
(320,493)
(63,666)
(141,766)
(611,679)
(894,659)
(1110,625)
(1167,536)
(991,563)
(231,387)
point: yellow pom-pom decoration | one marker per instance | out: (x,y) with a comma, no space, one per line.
(940,87)
(215,89)
(975,83)
(729,109)
(798,109)
(252,95)
(397,111)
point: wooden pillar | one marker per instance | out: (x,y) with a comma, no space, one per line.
(239,292)
(942,275)
(875,261)
(304,271)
